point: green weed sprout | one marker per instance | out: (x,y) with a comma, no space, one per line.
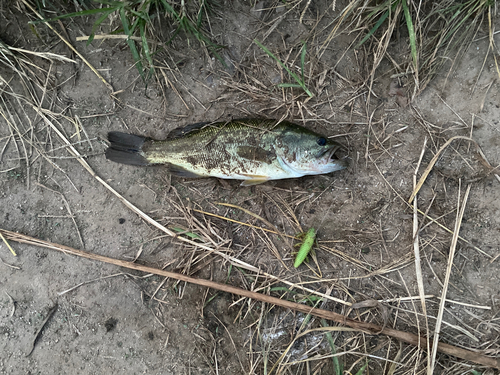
(300,80)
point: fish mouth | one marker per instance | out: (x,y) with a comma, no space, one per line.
(335,153)
(338,155)
(328,154)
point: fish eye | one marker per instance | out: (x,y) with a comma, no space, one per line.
(321,141)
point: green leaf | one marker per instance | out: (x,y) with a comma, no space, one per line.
(305,248)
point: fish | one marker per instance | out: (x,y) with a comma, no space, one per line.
(252,150)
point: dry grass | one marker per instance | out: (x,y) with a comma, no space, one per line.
(253,243)
(438,33)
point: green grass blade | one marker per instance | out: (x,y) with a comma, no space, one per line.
(362,369)
(145,48)
(114,4)
(411,32)
(229,272)
(295,77)
(130,42)
(170,10)
(337,366)
(313,300)
(210,300)
(281,289)
(308,317)
(98,22)
(374,28)
(389,3)
(296,85)
(189,234)
(303,59)
(200,14)
(141,17)
(74,14)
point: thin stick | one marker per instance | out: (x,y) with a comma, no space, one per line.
(37,334)
(458,222)
(418,267)
(248,212)
(369,328)
(10,248)
(88,282)
(43,55)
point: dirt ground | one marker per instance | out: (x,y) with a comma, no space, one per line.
(114,320)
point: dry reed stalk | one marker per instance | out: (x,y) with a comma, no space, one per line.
(418,267)
(458,222)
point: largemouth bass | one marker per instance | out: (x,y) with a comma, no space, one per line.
(251,150)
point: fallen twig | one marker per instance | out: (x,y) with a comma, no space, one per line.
(6,243)
(49,315)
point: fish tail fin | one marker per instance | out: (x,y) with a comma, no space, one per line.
(126,149)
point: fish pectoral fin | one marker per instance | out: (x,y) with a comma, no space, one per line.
(181,172)
(254,180)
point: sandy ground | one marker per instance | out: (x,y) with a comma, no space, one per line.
(113,320)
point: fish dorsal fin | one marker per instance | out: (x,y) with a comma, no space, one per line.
(255,153)
(182,131)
